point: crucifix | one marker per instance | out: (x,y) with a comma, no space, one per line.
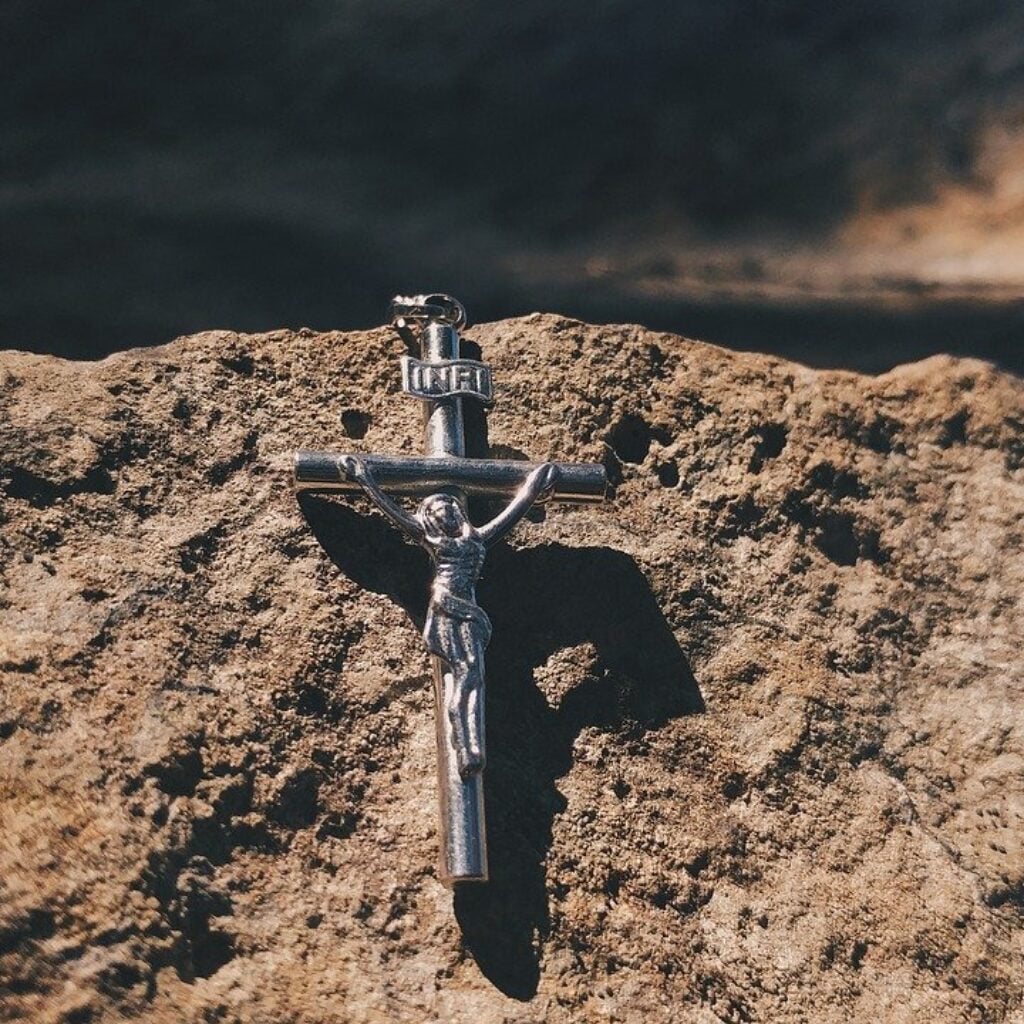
(457,629)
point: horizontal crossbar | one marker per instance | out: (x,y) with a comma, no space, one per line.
(578,483)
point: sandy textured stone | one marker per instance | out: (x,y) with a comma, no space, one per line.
(754,726)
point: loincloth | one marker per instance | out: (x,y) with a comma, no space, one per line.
(445,614)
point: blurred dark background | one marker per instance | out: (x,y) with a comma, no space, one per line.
(839,183)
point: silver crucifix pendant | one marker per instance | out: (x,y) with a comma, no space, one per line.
(457,629)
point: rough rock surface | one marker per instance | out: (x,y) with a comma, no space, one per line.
(755,741)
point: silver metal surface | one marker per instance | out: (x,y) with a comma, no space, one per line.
(447,378)
(578,483)
(457,630)
(410,313)
(442,418)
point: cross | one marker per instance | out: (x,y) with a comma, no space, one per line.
(456,630)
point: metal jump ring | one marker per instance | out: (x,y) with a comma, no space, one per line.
(434,308)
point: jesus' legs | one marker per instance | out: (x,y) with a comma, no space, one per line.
(465,711)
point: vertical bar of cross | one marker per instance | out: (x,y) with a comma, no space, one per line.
(462,827)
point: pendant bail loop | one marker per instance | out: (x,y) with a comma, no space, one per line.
(410,314)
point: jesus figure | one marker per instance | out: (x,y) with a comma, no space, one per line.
(457,629)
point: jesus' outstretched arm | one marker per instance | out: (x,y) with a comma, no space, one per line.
(541,480)
(355,469)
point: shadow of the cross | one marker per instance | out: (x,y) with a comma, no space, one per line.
(541,600)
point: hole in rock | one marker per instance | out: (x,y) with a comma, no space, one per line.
(668,474)
(355,423)
(630,438)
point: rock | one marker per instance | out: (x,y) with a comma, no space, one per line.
(755,743)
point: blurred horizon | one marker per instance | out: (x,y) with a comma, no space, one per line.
(843,186)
